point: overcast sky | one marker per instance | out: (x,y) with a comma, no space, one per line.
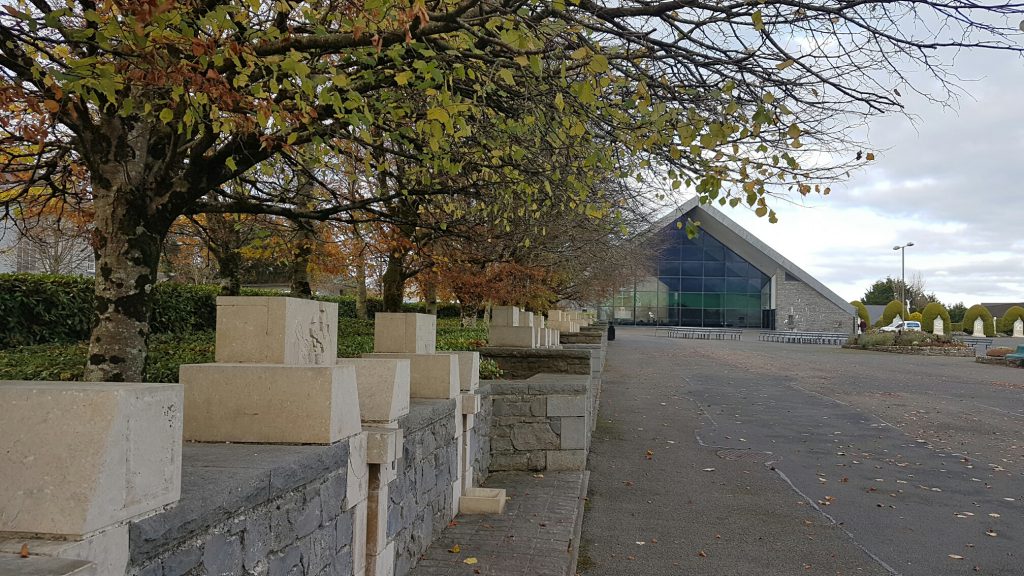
(950,183)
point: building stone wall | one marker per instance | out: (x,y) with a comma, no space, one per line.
(480,442)
(520,363)
(248,509)
(810,310)
(422,497)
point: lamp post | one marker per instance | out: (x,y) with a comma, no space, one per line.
(903,275)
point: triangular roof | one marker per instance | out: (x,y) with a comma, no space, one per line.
(748,246)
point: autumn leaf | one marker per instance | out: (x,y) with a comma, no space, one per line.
(956,557)
(469,561)
(24,551)
(455,549)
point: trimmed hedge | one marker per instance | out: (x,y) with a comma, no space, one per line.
(932,311)
(915,316)
(979,311)
(40,308)
(1011,316)
(862,311)
(891,310)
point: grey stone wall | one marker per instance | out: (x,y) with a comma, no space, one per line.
(252,509)
(542,423)
(479,456)
(520,363)
(811,311)
(422,496)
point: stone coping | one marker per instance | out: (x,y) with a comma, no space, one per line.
(218,480)
(543,384)
(946,351)
(491,351)
(14,565)
(424,412)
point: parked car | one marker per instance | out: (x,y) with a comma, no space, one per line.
(905,326)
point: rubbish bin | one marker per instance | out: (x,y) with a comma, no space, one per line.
(611,332)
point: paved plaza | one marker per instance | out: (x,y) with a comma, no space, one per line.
(751,458)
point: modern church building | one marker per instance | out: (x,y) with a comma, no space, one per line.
(725,277)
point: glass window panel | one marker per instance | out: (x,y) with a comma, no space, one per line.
(714,253)
(691,253)
(710,241)
(714,269)
(691,269)
(742,300)
(713,300)
(690,300)
(737,285)
(736,269)
(714,284)
(712,317)
(690,316)
(731,256)
(690,285)
(668,268)
(646,298)
(755,284)
(670,284)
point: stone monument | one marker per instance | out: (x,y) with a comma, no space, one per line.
(1018,328)
(938,327)
(979,327)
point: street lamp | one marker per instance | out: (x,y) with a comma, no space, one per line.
(903,275)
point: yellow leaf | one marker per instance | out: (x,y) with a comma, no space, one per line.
(469,561)
(559,102)
(794,131)
(769,97)
(786,64)
(506,75)
(166,115)
(51,106)
(758,20)
(598,64)
(455,549)
(870,156)
(522,60)
(402,78)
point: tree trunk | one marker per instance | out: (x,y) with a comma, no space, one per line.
(224,242)
(393,283)
(431,294)
(361,312)
(301,255)
(127,250)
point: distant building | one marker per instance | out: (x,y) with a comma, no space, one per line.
(44,249)
(999,309)
(725,277)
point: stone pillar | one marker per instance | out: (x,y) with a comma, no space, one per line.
(979,327)
(511,328)
(276,379)
(78,461)
(1018,328)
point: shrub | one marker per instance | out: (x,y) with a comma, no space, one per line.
(872,339)
(932,311)
(979,311)
(915,316)
(1011,316)
(489,370)
(40,308)
(182,308)
(956,327)
(892,309)
(998,351)
(862,311)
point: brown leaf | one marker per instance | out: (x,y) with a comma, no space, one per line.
(956,556)
(702,554)
(24,551)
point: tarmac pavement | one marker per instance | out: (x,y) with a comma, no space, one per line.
(753,458)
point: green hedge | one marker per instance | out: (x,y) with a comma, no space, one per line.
(932,311)
(891,310)
(39,308)
(978,311)
(1011,316)
(862,311)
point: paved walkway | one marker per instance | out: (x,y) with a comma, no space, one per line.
(536,536)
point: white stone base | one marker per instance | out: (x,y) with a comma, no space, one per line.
(469,370)
(78,457)
(482,501)
(270,403)
(430,375)
(383,387)
(512,336)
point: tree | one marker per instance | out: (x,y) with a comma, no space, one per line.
(975,312)
(892,309)
(884,291)
(956,312)
(163,104)
(862,311)
(932,311)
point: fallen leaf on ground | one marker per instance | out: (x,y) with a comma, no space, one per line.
(708,470)
(538,475)
(469,561)
(702,554)
(991,533)
(455,549)
(24,551)
(956,557)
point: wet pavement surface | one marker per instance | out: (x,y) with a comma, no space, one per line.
(746,457)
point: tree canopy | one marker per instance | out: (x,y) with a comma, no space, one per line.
(149,109)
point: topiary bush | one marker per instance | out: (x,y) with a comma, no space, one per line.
(892,309)
(978,311)
(932,311)
(862,311)
(1011,316)
(915,316)
(956,326)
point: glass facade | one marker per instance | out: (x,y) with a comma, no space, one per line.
(700,282)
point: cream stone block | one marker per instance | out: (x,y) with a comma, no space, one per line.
(538,321)
(470,403)
(526,319)
(567,406)
(381,445)
(276,330)
(573,434)
(511,336)
(938,327)
(405,333)
(359,536)
(383,387)
(430,375)
(77,457)
(505,316)
(556,316)
(270,403)
(467,481)
(456,494)
(482,501)
(1018,328)
(376,522)
(382,564)
(107,549)
(469,370)
(13,565)
(358,476)
(979,327)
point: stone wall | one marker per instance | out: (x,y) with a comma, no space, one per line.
(480,441)
(959,351)
(422,496)
(811,311)
(541,423)
(252,509)
(520,363)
